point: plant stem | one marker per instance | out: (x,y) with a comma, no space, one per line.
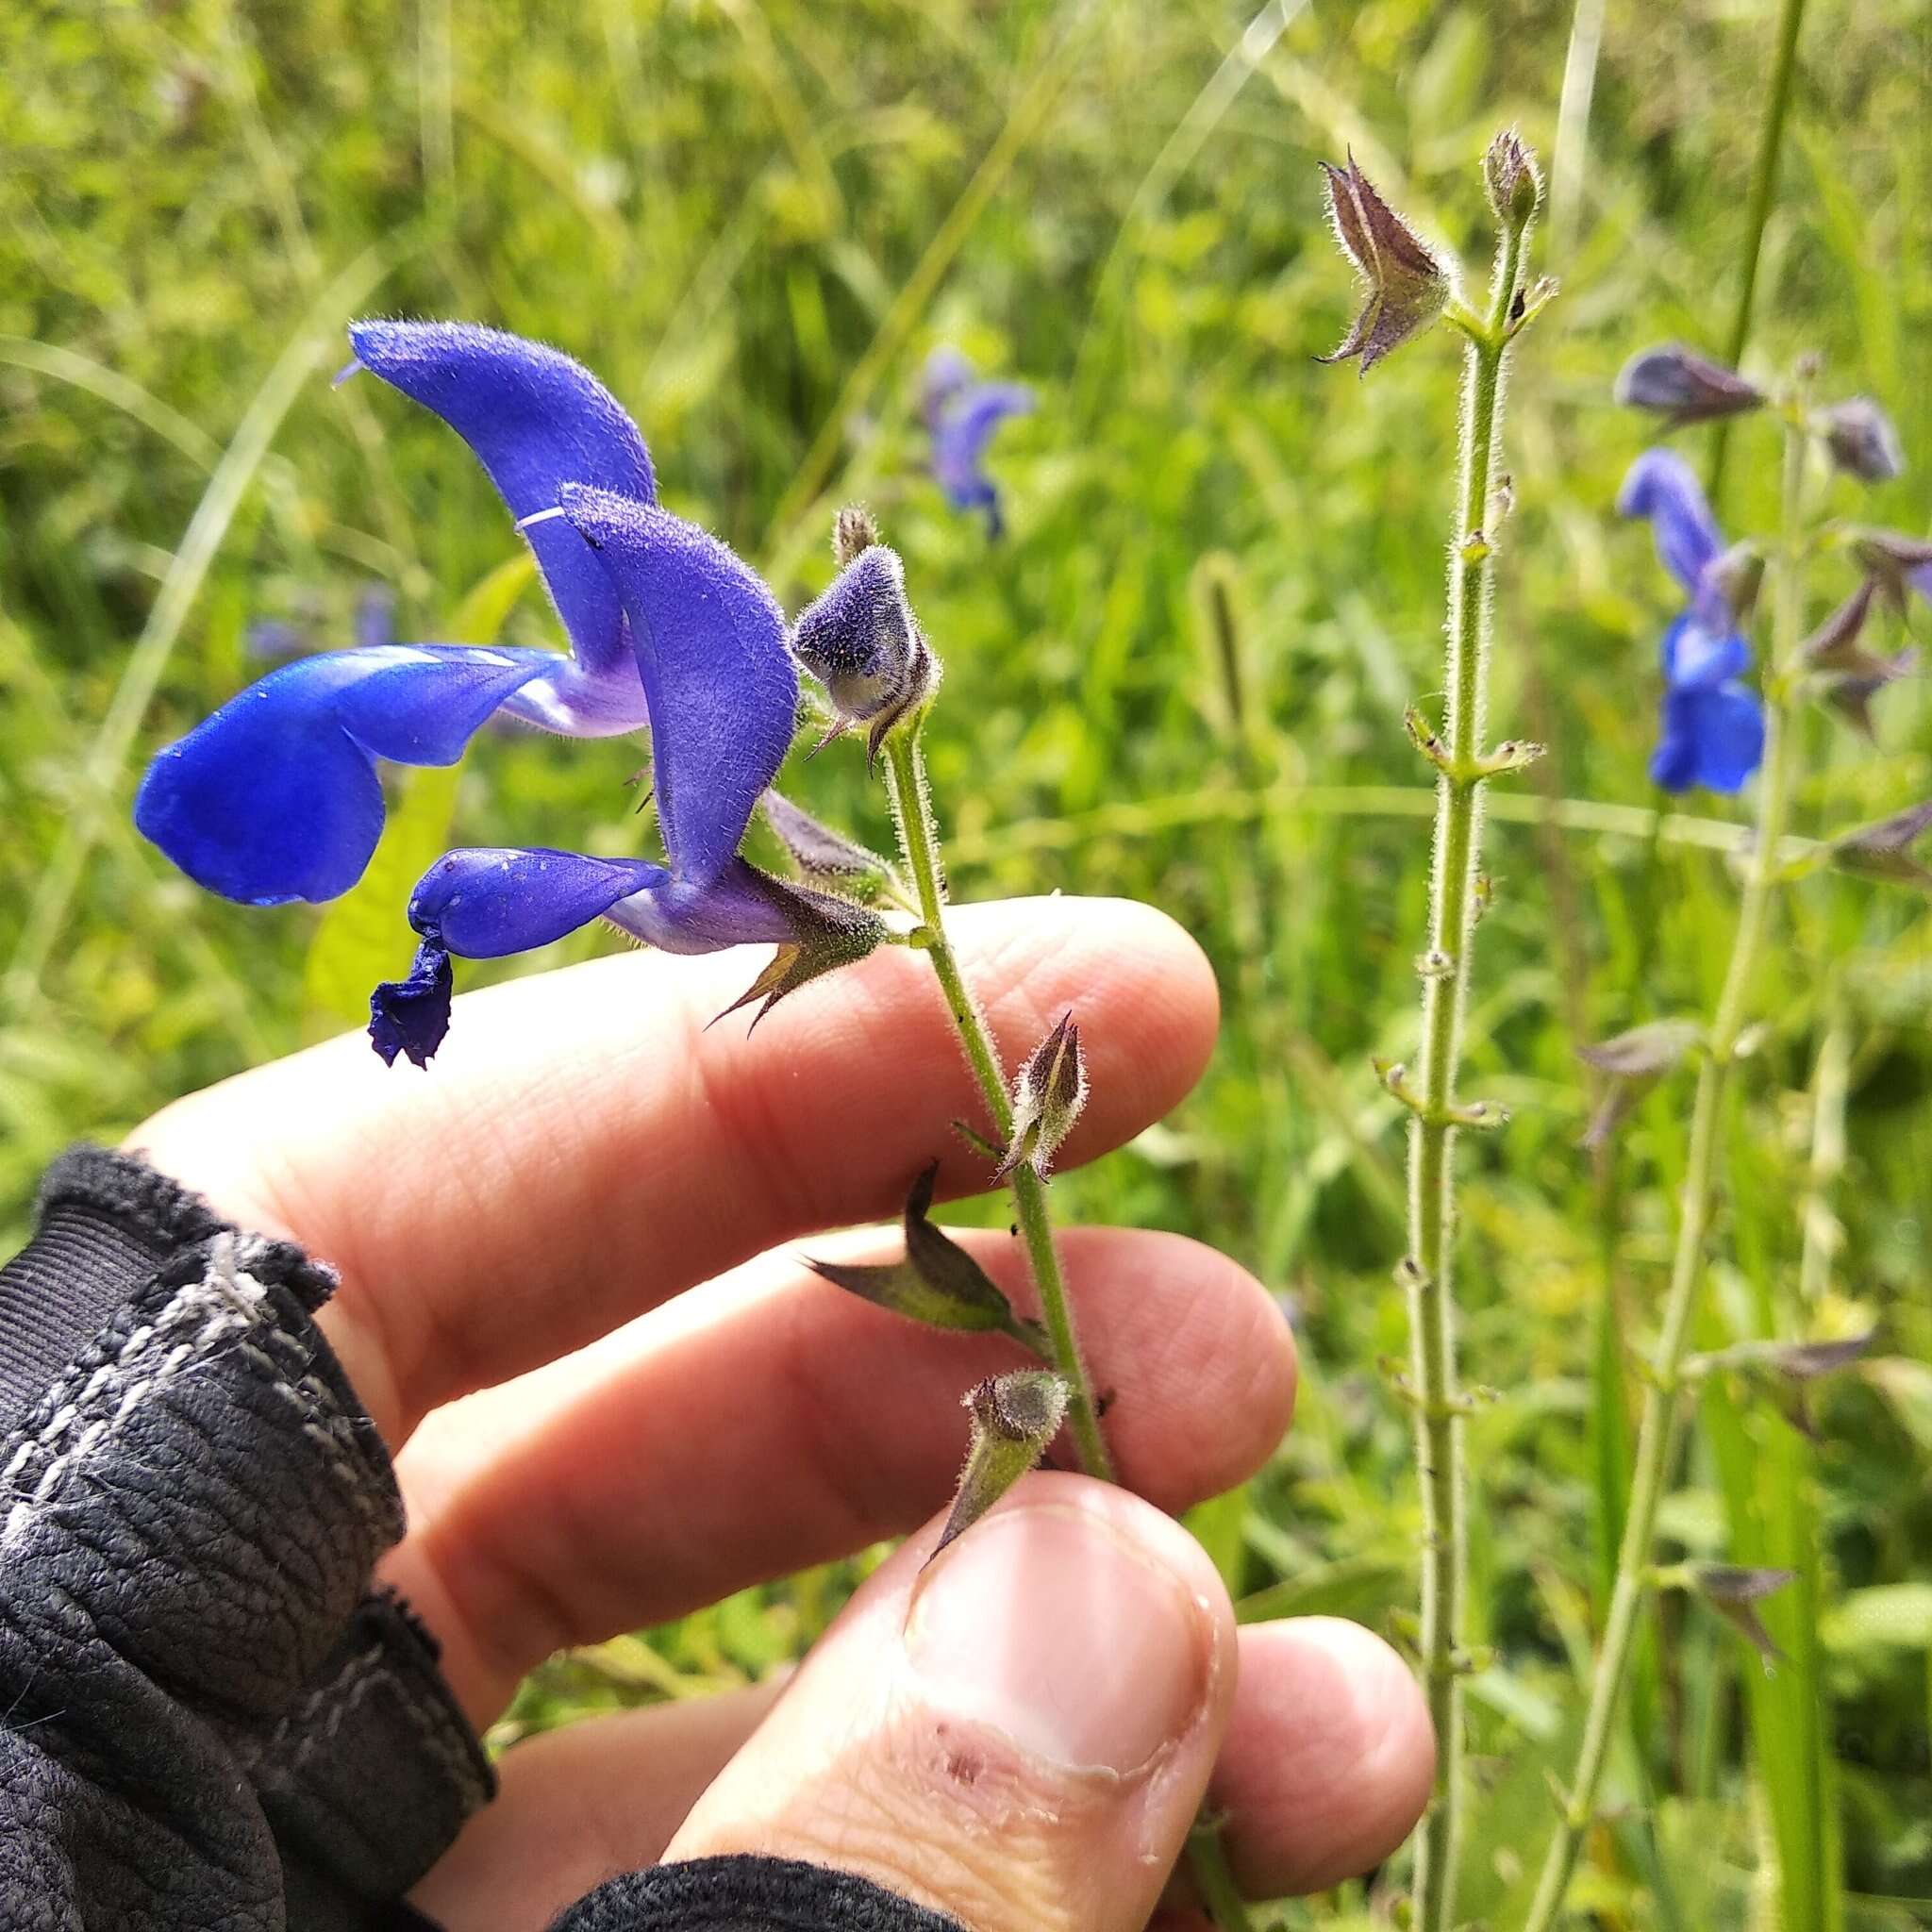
(1432,1131)
(1655,1429)
(919,840)
(1771,134)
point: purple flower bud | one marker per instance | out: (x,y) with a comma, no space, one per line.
(1677,382)
(1511,174)
(861,642)
(1884,849)
(1048,1097)
(828,858)
(1862,441)
(1404,286)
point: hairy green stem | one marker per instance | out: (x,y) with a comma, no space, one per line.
(919,839)
(1432,1129)
(1656,1429)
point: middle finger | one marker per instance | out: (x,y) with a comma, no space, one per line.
(773,1422)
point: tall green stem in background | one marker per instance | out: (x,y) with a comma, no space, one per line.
(919,839)
(1770,136)
(1656,1431)
(1453,906)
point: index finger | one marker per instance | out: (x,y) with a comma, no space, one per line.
(584,1148)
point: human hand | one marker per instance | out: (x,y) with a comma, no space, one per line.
(1021,1735)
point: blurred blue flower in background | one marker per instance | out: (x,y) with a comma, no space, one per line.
(962,412)
(277,796)
(1712,725)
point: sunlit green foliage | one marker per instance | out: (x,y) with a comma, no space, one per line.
(752,219)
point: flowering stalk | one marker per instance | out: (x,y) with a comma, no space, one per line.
(1462,767)
(919,840)
(1657,1431)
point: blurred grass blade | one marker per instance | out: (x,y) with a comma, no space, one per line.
(318,334)
(364,936)
(83,372)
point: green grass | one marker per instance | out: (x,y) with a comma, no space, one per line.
(753,220)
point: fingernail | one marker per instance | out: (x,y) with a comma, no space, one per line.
(1049,1624)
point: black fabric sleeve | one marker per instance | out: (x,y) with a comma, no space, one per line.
(208,1721)
(211,1722)
(747,1894)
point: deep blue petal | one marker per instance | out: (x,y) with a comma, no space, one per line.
(1661,487)
(1712,735)
(410,1016)
(1921,580)
(275,797)
(1731,737)
(535,420)
(1695,655)
(721,687)
(484,902)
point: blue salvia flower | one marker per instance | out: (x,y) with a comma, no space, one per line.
(1712,725)
(277,796)
(962,412)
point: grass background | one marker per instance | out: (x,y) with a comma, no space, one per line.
(752,218)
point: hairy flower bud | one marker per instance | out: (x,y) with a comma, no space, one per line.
(861,642)
(1862,441)
(1511,177)
(1014,1416)
(852,532)
(1406,287)
(1047,1099)
(1677,382)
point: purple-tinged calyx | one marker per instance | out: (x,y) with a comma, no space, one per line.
(1406,286)
(1048,1097)
(1679,384)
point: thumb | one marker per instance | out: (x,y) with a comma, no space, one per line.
(1018,1734)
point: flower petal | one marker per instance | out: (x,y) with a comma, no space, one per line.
(721,687)
(1696,655)
(1661,487)
(536,420)
(412,1015)
(485,902)
(1714,736)
(275,797)
(963,430)
(741,907)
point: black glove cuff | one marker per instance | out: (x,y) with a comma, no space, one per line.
(747,1894)
(209,1716)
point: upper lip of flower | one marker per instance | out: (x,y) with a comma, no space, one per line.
(275,797)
